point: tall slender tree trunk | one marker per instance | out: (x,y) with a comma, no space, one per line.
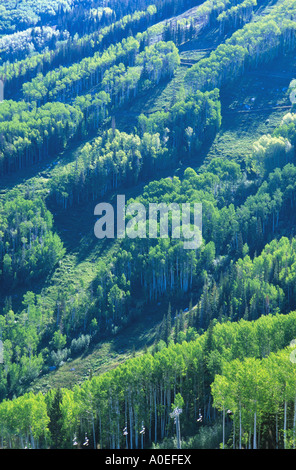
(285,424)
(155,417)
(93,429)
(240,425)
(131,426)
(255,428)
(294,424)
(223,444)
(276,432)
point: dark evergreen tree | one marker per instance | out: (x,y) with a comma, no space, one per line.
(55,420)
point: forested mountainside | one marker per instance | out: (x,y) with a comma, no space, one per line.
(169,102)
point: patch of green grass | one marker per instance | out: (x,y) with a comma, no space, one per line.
(107,354)
(251,107)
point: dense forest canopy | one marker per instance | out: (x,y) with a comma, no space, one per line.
(167,102)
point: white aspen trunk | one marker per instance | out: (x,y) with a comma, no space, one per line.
(223,427)
(131,426)
(110,437)
(150,416)
(179,432)
(255,426)
(285,424)
(125,416)
(100,425)
(294,423)
(240,425)
(163,408)
(32,439)
(161,416)
(276,432)
(155,417)
(110,424)
(136,430)
(126,441)
(168,406)
(93,428)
